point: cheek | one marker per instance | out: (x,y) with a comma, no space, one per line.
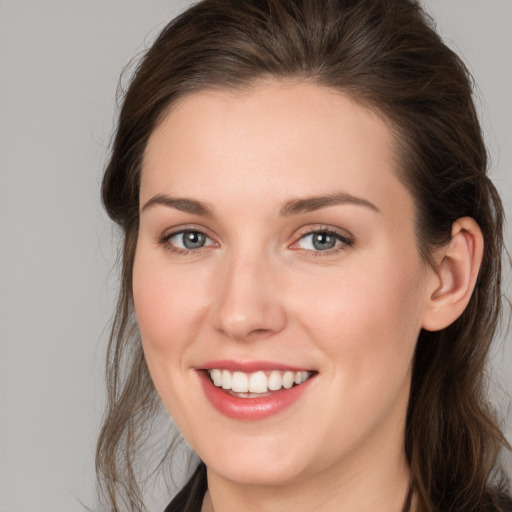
(366,317)
(167,304)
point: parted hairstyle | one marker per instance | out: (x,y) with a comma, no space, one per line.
(387,56)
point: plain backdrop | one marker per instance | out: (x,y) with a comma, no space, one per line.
(59,66)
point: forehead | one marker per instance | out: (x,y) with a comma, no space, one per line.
(275,139)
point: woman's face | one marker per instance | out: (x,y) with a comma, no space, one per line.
(276,243)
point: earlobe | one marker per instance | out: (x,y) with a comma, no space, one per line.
(455,275)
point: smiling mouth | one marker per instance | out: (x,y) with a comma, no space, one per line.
(257,384)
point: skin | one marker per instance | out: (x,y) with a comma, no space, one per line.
(258,290)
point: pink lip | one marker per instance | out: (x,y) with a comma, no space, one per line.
(250,408)
(248,366)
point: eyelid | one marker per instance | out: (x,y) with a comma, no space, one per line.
(177,230)
(169,232)
(346,239)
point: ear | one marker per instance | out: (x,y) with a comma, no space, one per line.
(452,281)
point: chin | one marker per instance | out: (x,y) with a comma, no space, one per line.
(268,473)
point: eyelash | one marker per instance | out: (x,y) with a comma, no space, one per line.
(165,241)
(345,242)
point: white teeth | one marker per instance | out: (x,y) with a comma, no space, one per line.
(240,382)
(226,379)
(216,376)
(288,379)
(258,382)
(275,381)
(300,377)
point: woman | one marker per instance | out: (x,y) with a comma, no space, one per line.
(311,259)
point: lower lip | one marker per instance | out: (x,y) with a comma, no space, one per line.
(251,408)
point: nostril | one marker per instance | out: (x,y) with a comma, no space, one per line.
(259,333)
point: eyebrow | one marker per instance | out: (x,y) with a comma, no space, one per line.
(289,208)
(309,204)
(179,203)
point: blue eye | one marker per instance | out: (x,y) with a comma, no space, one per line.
(188,240)
(322,241)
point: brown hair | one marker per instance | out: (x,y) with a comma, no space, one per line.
(385,55)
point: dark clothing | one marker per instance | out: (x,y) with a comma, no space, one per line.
(190,498)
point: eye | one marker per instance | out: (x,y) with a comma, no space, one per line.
(188,240)
(323,240)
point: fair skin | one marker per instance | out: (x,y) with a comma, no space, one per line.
(256,285)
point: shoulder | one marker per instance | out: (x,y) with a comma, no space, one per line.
(190,498)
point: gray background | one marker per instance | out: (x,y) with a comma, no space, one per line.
(59,66)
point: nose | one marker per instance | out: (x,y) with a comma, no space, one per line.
(249,301)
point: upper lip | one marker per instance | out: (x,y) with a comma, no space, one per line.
(249,366)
